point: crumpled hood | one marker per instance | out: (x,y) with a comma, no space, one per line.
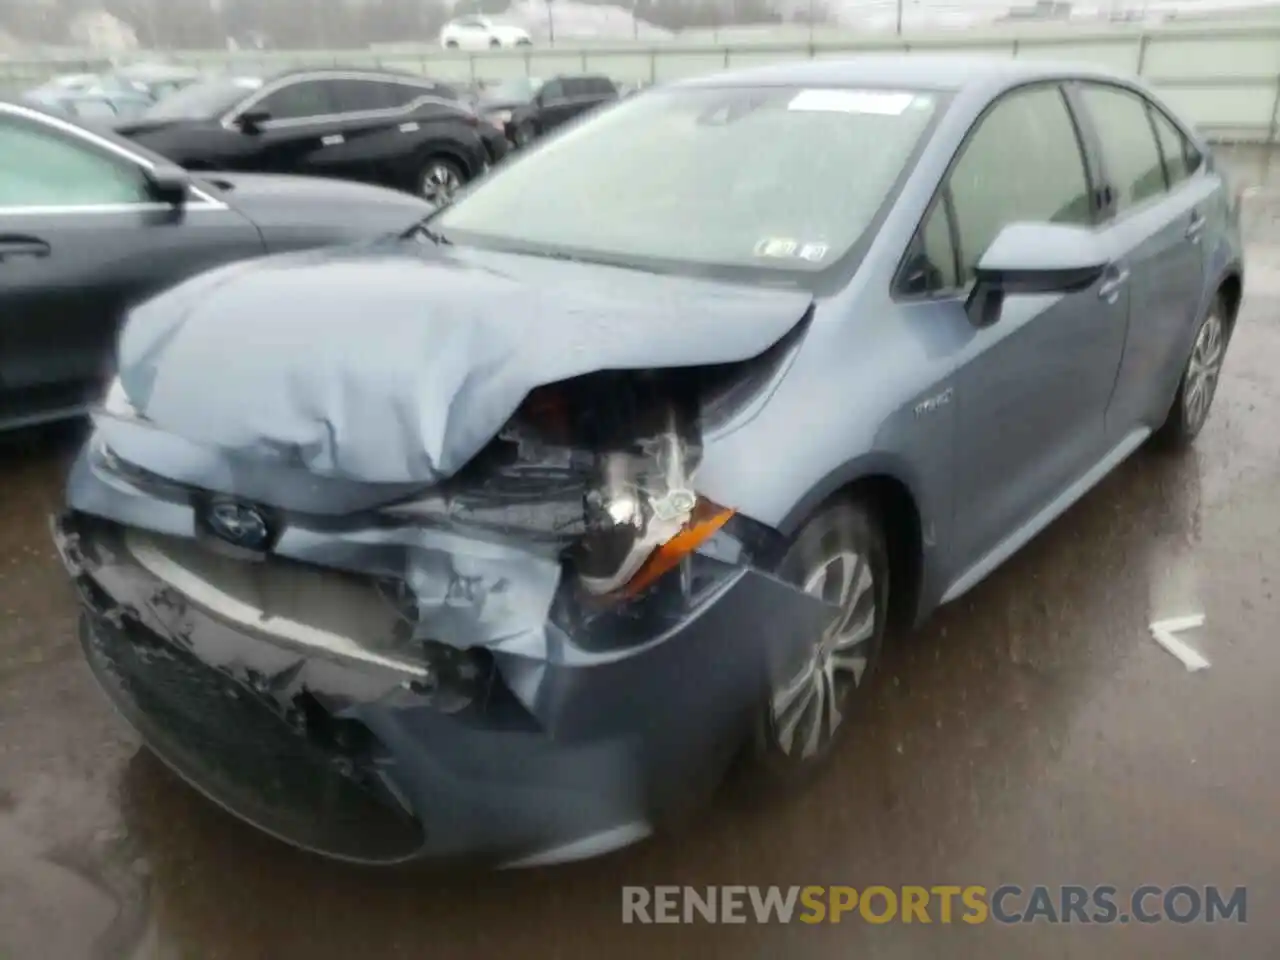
(398,361)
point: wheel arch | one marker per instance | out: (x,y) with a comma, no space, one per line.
(445,150)
(882,485)
(1230,293)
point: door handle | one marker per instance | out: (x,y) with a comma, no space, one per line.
(12,247)
(1195,227)
(1110,288)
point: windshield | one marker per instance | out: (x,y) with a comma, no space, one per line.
(524,88)
(775,179)
(203,101)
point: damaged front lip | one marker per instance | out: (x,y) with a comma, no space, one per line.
(610,738)
(394,364)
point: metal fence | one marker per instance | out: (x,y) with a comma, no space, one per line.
(1226,79)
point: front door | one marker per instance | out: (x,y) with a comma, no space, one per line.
(303,122)
(81,240)
(1031,390)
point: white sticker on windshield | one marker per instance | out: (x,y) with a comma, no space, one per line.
(852,101)
(786,248)
(776,247)
(248,83)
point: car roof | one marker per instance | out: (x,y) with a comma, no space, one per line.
(156,71)
(374,73)
(910,70)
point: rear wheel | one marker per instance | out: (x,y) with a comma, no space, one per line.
(439,180)
(525,134)
(495,43)
(1199,382)
(839,555)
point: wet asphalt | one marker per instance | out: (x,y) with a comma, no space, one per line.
(1033,733)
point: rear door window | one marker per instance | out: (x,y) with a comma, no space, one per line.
(1177,151)
(1129,148)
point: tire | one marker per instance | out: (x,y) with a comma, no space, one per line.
(439,178)
(1199,382)
(794,731)
(495,43)
(451,45)
(525,134)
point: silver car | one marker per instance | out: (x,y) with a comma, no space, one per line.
(504,537)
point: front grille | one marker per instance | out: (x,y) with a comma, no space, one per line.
(236,748)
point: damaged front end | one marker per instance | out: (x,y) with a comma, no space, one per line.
(538,657)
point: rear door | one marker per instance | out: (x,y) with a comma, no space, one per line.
(1158,198)
(1031,390)
(81,240)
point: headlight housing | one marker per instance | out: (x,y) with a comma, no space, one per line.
(117,403)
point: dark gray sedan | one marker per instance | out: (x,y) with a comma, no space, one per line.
(506,538)
(91,224)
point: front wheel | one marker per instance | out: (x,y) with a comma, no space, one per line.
(1199,383)
(451,45)
(839,555)
(439,180)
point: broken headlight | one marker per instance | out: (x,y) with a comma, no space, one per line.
(644,517)
(117,403)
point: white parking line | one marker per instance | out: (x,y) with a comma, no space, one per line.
(1165,633)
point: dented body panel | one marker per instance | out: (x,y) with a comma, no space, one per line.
(413,390)
(505,725)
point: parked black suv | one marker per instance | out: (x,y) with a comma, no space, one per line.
(394,129)
(528,107)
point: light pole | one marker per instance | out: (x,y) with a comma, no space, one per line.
(551,25)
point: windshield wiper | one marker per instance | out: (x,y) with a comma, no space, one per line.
(421,231)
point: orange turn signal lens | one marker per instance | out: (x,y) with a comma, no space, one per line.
(706,519)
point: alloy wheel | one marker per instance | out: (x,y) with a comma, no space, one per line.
(440,181)
(807,711)
(1203,371)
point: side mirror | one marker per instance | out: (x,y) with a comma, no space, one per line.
(251,121)
(169,185)
(1034,258)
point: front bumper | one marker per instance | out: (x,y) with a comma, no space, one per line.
(320,735)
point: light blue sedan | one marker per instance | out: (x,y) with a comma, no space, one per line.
(506,536)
